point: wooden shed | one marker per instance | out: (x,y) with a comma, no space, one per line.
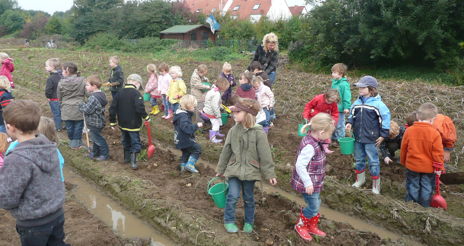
(189,33)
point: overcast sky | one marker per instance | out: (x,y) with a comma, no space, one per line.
(51,6)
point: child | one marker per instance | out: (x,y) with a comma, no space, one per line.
(340,83)
(30,184)
(257,69)
(212,108)
(370,120)
(227,73)
(422,155)
(51,66)
(163,85)
(116,80)
(309,172)
(5,98)
(152,88)
(391,144)
(323,103)
(184,133)
(410,118)
(94,111)
(245,159)
(3,147)
(128,106)
(7,67)
(199,86)
(71,93)
(246,90)
(266,100)
(177,89)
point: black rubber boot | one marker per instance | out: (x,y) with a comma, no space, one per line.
(127,155)
(133,161)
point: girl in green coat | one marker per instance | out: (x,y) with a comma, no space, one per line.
(245,159)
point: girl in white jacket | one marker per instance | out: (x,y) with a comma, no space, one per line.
(212,108)
(266,100)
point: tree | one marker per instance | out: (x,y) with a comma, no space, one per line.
(54,26)
(12,20)
(34,28)
(6,5)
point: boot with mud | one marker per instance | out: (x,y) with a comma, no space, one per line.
(360,178)
(182,167)
(302,229)
(127,156)
(133,161)
(312,226)
(155,110)
(190,166)
(376,185)
(213,137)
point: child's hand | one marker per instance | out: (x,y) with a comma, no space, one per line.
(378,141)
(273,181)
(219,175)
(309,190)
(437,172)
(346,111)
(199,124)
(447,156)
(348,127)
(387,160)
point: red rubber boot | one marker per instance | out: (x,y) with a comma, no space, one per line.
(302,229)
(312,226)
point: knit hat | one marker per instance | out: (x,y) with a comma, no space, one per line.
(136,77)
(367,81)
(248,105)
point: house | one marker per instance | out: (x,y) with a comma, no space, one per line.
(192,35)
(244,9)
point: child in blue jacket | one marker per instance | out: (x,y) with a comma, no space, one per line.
(370,120)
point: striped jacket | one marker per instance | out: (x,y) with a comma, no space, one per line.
(370,119)
(5,99)
(315,168)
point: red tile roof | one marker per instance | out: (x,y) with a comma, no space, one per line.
(246,8)
(296,10)
(205,6)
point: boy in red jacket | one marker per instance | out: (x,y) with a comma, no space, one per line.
(323,103)
(422,154)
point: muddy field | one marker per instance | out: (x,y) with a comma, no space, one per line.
(293,89)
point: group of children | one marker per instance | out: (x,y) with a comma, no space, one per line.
(246,155)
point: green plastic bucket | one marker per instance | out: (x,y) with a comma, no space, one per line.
(146,97)
(224,118)
(346,145)
(218,192)
(300,130)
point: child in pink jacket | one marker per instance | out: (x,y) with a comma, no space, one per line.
(7,67)
(153,89)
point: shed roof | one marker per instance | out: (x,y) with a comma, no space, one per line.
(181,28)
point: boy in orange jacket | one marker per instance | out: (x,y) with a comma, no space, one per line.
(422,154)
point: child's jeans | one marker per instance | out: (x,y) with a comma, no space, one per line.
(193,151)
(51,234)
(340,127)
(55,107)
(173,107)
(363,150)
(314,203)
(419,187)
(2,128)
(272,77)
(167,105)
(235,187)
(100,147)
(270,116)
(131,141)
(216,124)
(153,101)
(74,129)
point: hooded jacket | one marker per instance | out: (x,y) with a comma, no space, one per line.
(343,87)
(7,69)
(197,88)
(94,109)
(116,76)
(71,92)
(370,119)
(184,129)
(152,86)
(246,91)
(30,183)
(319,105)
(213,103)
(52,85)
(265,96)
(129,107)
(246,154)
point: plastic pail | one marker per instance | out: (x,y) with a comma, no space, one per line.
(218,192)
(300,130)
(146,97)
(224,118)
(346,145)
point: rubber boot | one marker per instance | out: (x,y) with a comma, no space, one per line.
(182,167)
(219,134)
(266,129)
(360,178)
(302,229)
(155,110)
(376,185)
(170,115)
(213,138)
(190,166)
(126,156)
(312,226)
(133,161)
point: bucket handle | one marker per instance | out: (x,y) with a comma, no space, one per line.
(212,180)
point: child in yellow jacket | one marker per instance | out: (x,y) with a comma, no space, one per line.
(177,89)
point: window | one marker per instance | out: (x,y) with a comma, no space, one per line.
(205,35)
(234,17)
(256,6)
(213,10)
(255,18)
(236,8)
(193,35)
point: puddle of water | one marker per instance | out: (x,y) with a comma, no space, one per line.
(124,223)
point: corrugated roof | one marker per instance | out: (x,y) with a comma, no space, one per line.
(181,29)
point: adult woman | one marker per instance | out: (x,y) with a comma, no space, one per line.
(267,54)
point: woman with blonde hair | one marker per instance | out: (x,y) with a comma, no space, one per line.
(268,55)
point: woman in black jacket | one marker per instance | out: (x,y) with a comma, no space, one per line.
(268,55)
